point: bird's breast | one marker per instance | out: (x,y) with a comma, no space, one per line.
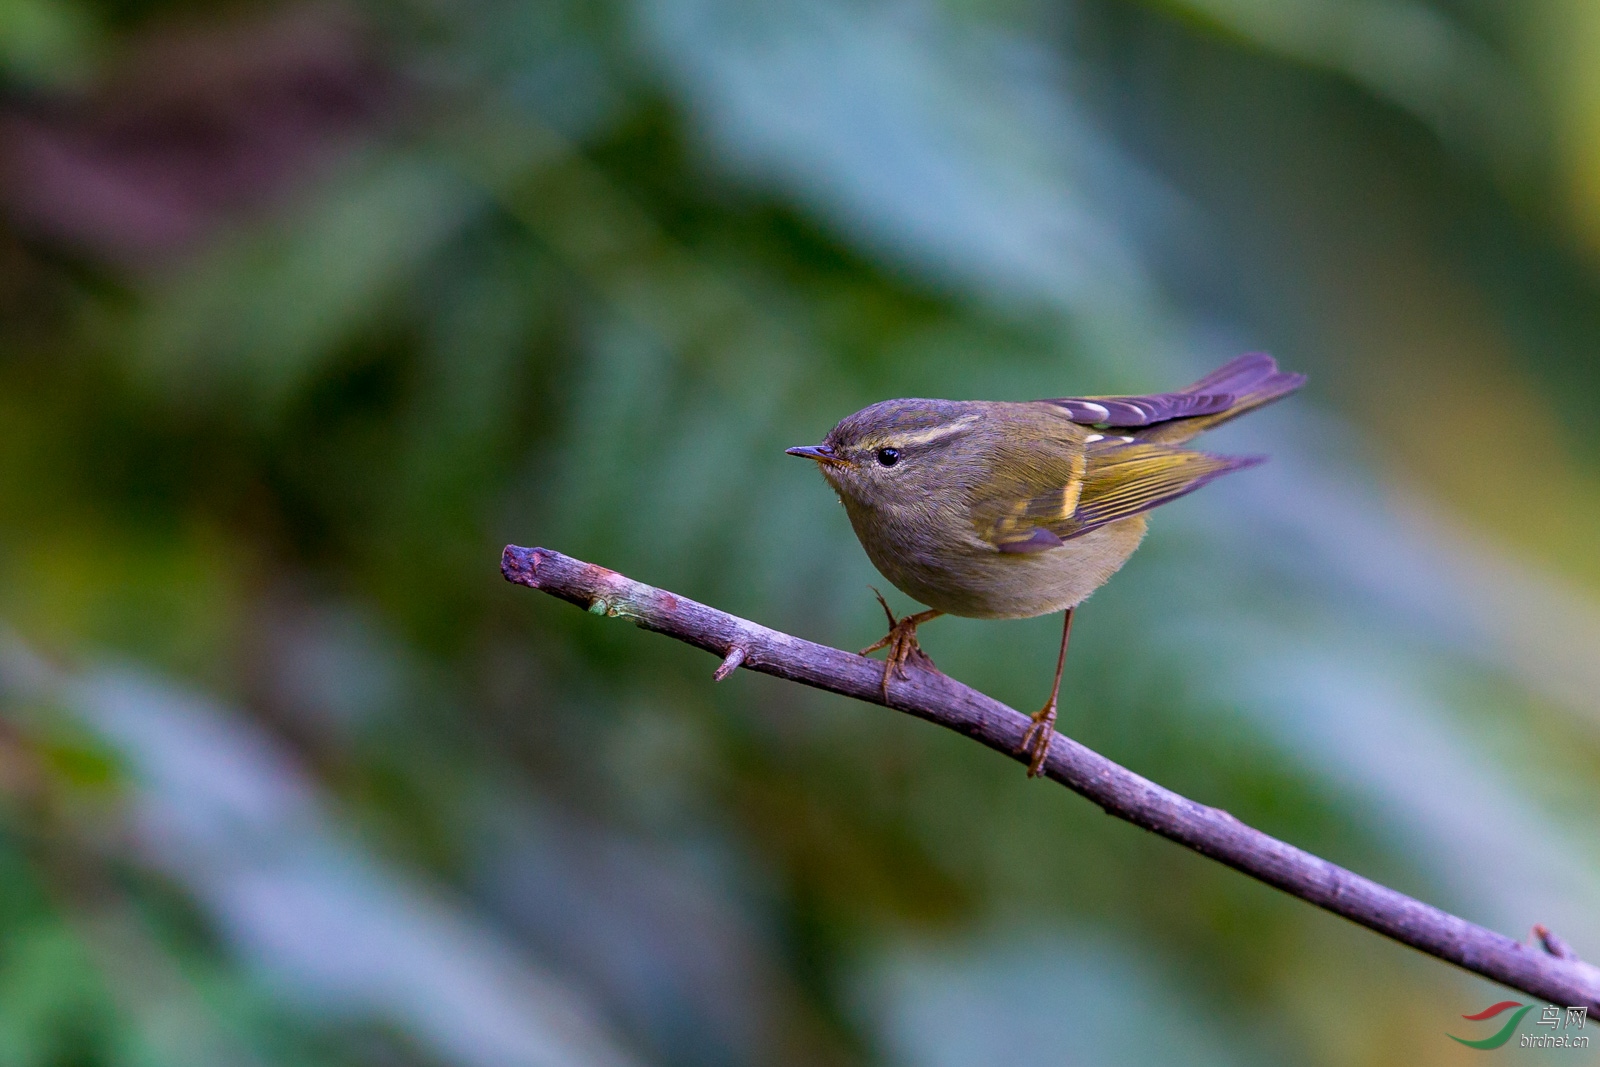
(938,559)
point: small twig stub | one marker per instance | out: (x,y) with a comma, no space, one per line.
(730,663)
(1553,944)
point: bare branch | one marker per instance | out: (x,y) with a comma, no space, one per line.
(1209,831)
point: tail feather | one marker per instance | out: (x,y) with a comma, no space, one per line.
(1253,379)
(1238,375)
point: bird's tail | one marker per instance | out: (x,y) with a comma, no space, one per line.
(1252,379)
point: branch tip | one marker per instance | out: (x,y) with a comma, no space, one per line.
(520,565)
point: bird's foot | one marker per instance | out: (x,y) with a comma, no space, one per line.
(901,641)
(1036,742)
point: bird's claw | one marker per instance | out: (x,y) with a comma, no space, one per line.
(1036,742)
(901,641)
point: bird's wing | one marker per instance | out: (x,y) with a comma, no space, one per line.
(1241,384)
(1127,411)
(1125,479)
(1064,489)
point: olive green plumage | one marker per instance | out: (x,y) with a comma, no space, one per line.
(1004,510)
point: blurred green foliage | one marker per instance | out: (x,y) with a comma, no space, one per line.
(305,312)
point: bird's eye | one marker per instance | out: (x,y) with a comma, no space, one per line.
(888,457)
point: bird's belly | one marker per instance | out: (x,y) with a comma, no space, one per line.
(977,582)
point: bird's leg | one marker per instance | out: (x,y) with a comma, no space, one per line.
(901,641)
(1036,742)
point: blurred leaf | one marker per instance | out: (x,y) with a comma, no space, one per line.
(258,318)
(1407,51)
(47,42)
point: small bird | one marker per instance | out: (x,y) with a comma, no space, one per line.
(1002,510)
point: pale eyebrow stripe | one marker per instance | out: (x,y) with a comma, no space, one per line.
(924,436)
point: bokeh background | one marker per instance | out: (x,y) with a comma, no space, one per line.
(307,309)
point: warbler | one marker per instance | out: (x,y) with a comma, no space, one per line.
(1007,510)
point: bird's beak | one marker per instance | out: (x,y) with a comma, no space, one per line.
(821,453)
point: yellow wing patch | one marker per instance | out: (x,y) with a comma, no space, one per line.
(1068,492)
(1015,517)
(1126,479)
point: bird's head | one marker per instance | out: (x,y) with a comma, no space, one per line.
(895,452)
